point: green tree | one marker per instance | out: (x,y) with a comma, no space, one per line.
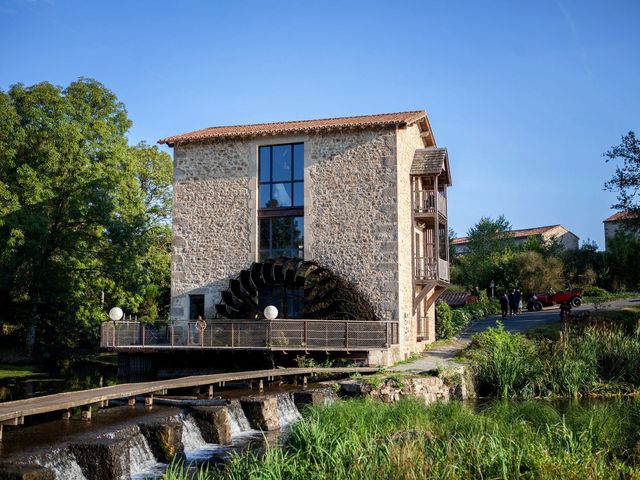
(623,261)
(81,211)
(489,235)
(626,179)
(585,266)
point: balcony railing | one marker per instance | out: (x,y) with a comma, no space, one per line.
(425,202)
(442,204)
(427,268)
(443,269)
(324,335)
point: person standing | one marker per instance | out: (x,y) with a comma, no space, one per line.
(511,298)
(518,300)
(504,305)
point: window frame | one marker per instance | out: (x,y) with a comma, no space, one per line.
(284,211)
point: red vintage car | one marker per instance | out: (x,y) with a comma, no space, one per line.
(574,297)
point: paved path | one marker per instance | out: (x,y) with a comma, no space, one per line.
(444,355)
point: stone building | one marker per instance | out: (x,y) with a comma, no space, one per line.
(558,233)
(613,224)
(358,200)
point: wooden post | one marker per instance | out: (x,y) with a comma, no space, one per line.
(66,414)
(304,381)
(210,392)
(132,401)
(148,400)
(104,403)
(86,413)
(346,335)
(261,385)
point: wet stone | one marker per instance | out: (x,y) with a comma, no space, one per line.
(213,422)
(311,397)
(104,459)
(165,439)
(25,472)
(262,412)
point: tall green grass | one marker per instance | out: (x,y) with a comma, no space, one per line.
(582,361)
(358,439)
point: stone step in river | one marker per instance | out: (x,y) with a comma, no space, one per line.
(138,442)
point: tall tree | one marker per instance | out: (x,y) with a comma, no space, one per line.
(79,210)
(626,179)
(490,235)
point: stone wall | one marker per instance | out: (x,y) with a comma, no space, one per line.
(212,220)
(409,140)
(351,211)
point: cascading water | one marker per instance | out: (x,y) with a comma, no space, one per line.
(142,463)
(195,448)
(63,464)
(238,421)
(287,411)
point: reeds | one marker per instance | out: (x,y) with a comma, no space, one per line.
(358,439)
(581,362)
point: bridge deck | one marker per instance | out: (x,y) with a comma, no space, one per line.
(15,411)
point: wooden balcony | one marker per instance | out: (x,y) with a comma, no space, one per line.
(274,335)
(430,269)
(429,203)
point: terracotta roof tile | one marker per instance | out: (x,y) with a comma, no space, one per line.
(617,216)
(302,126)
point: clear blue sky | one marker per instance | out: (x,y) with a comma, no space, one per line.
(526,95)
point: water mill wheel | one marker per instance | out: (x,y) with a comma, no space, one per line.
(298,288)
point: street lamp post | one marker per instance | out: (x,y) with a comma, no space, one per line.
(493,286)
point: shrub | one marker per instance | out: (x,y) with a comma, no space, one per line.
(505,365)
(594,291)
(444,324)
(460,319)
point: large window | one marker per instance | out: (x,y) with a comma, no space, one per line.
(281,209)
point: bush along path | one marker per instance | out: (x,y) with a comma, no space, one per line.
(444,352)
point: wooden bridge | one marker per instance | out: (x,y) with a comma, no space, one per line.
(14,413)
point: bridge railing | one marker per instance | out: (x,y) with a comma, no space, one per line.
(252,334)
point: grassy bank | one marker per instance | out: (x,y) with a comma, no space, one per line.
(19,371)
(602,357)
(358,439)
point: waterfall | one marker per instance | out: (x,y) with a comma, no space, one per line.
(195,448)
(238,421)
(63,464)
(287,411)
(142,463)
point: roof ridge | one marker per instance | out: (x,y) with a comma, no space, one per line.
(397,118)
(311,120)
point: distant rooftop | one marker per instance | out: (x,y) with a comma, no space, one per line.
(617,216)
(524,233)
(400,119)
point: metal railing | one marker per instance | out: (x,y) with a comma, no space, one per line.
(425,202)
(252,334)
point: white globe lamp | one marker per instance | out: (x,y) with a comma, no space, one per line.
(116,314)
(270,313)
